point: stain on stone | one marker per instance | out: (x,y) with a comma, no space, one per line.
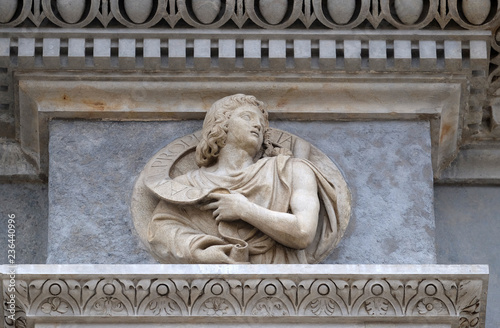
(391,245)
(283,101)
(444,132)
(98,105)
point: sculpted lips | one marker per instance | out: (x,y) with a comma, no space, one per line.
(255,133)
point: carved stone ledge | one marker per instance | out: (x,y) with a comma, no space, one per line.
(368,57)
(144,98)
(475,164)
(353,51)
(328,14)
(447,296)
(15,163)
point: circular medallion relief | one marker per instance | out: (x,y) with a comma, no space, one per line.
(156,182)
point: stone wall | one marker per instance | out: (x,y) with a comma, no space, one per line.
(467,227)
(467,230)
(387,165)
(433,61)
(29,203)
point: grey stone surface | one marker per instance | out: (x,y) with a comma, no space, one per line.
(387,166)
(408,11)
(479,165)
(28,202)
(13,161)
(92,173)
(341,11)
(467,231)
(93,166)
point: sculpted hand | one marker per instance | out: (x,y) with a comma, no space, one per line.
(214,254)
(227,207)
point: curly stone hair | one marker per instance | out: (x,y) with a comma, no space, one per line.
(215,127)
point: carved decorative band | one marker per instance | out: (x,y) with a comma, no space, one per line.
(269,14)
(94,295)
(343,52)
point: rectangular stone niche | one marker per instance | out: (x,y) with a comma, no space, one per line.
(387,165)
(347,296)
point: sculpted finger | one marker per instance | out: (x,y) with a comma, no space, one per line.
(214,195)
(209,206)
(219,218)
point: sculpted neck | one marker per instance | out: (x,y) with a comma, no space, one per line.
(232,160)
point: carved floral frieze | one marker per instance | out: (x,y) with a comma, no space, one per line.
(238,295)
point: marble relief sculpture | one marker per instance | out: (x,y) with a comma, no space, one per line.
(255,198)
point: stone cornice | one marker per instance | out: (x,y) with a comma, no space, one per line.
(169,294)
(447,39)
(328,14)
(369,59)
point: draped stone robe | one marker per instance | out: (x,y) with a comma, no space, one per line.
(177,230)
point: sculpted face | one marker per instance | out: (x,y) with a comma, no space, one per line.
(246,129)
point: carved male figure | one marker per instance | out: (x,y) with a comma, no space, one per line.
(263,205)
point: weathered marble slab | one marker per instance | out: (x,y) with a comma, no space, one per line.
(387,166)
(93,166)
(340,296)
(27,203)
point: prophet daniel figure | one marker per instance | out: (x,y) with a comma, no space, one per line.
(260,204)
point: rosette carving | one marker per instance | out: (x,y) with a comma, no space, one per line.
(459,300)
(54,298)
(324,299)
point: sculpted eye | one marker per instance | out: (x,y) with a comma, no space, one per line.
(246,117)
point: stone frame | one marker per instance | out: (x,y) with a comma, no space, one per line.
(40,103)
(356,295)
(176,57)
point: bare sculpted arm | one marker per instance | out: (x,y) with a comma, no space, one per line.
(296,229)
